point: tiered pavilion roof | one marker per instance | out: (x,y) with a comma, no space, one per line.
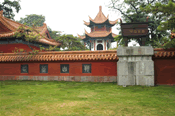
(99,19)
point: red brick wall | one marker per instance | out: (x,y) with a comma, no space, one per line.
(164,71)
(75,69)
(7,48)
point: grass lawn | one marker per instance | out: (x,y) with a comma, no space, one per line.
(42,98)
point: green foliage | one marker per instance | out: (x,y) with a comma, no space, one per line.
(33,19)
(71,42)
(166,12)
(132,11)
(7,7)
(27,33)
(54,34)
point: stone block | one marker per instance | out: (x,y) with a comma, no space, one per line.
(55,78)
(65,78)
(20,77)
(77,78)
(39,78)
(122,68)
(95,78)
(35,78)
(5,77)
(16,77)
(68,78)
(149,68)
(149,50)
(106,79)
(100,79)
(131,68)
(84,78)
(32,78)
(140,50)
(25,77)
(13,77)
(51,78)
(10,77)
(60,78)
(126,80)
(1,78)
(113,79)
(138,58)
(120,51)
(72,78)
(122,80)
(91,79)
(141,68)
(145,80)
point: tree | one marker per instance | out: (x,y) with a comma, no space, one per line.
(33,19)
(168,23)
(7,7)
(54,34)
(135,14)
(71,42)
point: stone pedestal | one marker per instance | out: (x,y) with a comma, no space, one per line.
(135,66)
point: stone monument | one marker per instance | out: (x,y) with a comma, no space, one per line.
(135,65)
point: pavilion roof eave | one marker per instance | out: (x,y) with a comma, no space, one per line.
(111,36)
(107,22)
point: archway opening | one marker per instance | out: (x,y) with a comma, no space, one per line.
(99,47)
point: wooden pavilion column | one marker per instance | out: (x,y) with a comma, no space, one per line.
(104,44)
(143,41)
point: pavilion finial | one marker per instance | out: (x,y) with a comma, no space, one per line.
(100,8)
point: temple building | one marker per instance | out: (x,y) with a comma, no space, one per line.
(8,42)
(101,35)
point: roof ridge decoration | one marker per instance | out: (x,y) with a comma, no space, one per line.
(100,18)
(81,37)
(86,32)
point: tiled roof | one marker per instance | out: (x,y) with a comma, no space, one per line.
(13,26)
(81,37)
(100,33)
(60,56)
(100,18)
(77,55)
(162,53)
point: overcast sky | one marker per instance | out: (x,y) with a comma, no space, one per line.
(68,15)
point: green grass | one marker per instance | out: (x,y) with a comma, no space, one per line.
(41,98)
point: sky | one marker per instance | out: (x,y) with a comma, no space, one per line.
(68,15)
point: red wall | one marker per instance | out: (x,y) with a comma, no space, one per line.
(164,71)
(100,29)
(7,48)
(75,69)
